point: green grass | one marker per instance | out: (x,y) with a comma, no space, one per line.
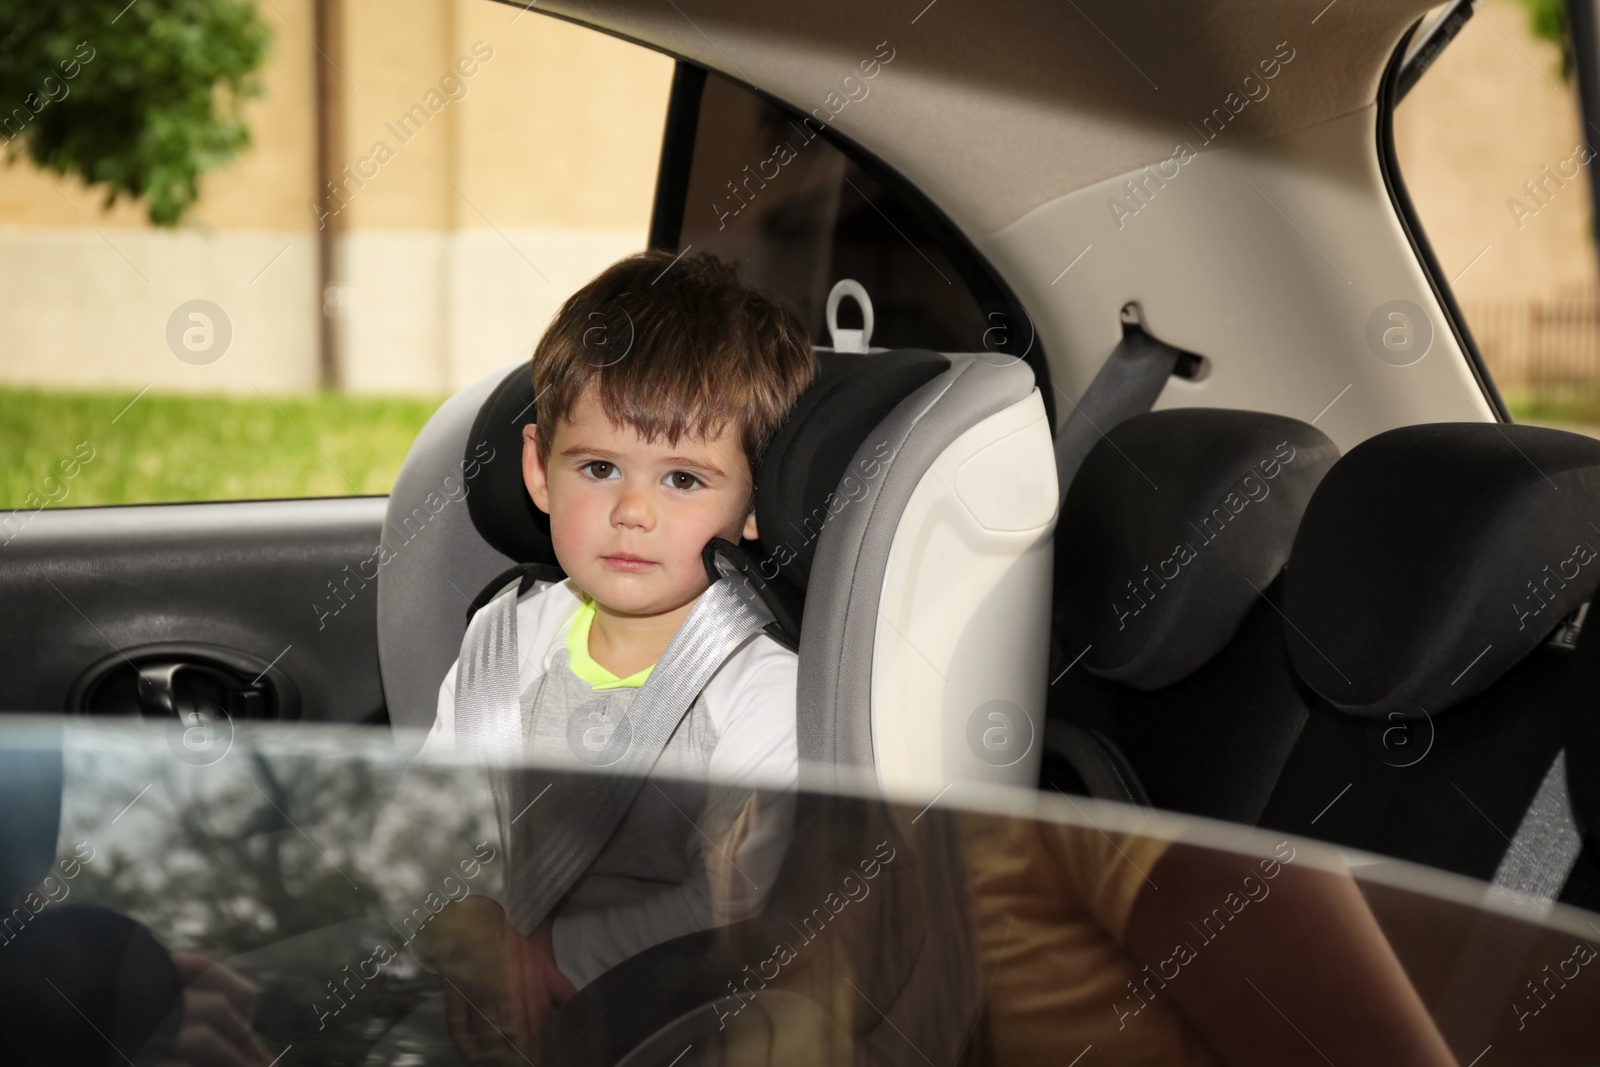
(169,448)
(1578,403)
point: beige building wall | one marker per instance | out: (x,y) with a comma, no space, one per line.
(89,290)
(1487,117)
(453,244)
(500,205)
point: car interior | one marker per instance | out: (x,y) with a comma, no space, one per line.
(1402,556)
(1285,583)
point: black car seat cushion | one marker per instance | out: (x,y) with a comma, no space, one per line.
(1435,557)
(1172,532)
(803,477)
(501,509)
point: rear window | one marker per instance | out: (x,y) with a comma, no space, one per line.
(802,209)
(1494,155)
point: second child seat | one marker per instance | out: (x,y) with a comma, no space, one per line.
(1439,610)
(1172,686)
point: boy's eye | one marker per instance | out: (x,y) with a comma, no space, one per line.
(682,480)
(599,468)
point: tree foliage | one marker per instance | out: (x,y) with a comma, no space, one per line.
(140,98)
(1547,21)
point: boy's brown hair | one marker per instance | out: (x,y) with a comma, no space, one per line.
(674,347)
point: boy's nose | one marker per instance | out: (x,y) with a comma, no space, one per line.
(632,509)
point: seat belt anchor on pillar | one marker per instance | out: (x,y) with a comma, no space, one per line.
(1189,366)
(1126,385)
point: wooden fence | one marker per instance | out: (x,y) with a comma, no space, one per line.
(1541,351)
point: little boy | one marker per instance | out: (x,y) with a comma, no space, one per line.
(659,385)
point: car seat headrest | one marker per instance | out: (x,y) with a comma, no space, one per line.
(1174,525)
(1434,557)
(805,475)
(502,511)
(801,482)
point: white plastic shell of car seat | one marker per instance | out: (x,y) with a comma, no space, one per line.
(958,671)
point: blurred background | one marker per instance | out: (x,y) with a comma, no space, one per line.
(1474,138)
(420,187)
(252,246)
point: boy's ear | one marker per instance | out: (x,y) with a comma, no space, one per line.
(533,472)
(750,532)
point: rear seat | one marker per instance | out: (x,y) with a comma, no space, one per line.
(1432,603)
(1170,668)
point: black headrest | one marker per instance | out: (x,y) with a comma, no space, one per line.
(1171,529)
(802,470)
(802,479)
(1435,557)
(501,509)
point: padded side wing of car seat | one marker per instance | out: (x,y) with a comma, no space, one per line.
(436,558)
(846,582)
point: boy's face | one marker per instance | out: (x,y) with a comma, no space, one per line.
(629,518)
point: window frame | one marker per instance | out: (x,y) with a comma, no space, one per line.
(1411,225)
(672,185)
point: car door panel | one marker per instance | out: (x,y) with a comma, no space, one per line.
(279,582)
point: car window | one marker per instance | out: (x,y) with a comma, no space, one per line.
(1491,146)
(399,208)
(327,888)
(801,208)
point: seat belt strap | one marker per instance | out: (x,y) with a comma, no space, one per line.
(550,852)
(488,712)
(1127,385)
(1545,846)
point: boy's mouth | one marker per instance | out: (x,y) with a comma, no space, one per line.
(624,561)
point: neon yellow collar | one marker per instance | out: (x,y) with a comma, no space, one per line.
(583,664)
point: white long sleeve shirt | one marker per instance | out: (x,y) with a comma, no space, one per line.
(704,839)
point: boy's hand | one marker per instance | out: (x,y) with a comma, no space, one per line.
(501,986)
(543,987)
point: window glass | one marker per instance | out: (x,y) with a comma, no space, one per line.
(415,197)
(771,188)
(358,900)
(1492,148)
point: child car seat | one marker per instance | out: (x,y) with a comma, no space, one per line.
(1433,601)
(906,505)
(1172,680)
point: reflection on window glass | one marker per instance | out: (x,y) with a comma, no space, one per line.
(395,212)
(333,889)
(766,187)
(1493,152)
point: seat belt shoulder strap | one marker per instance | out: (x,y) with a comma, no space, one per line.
(1128,383)
(550,852)
(1545,847)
